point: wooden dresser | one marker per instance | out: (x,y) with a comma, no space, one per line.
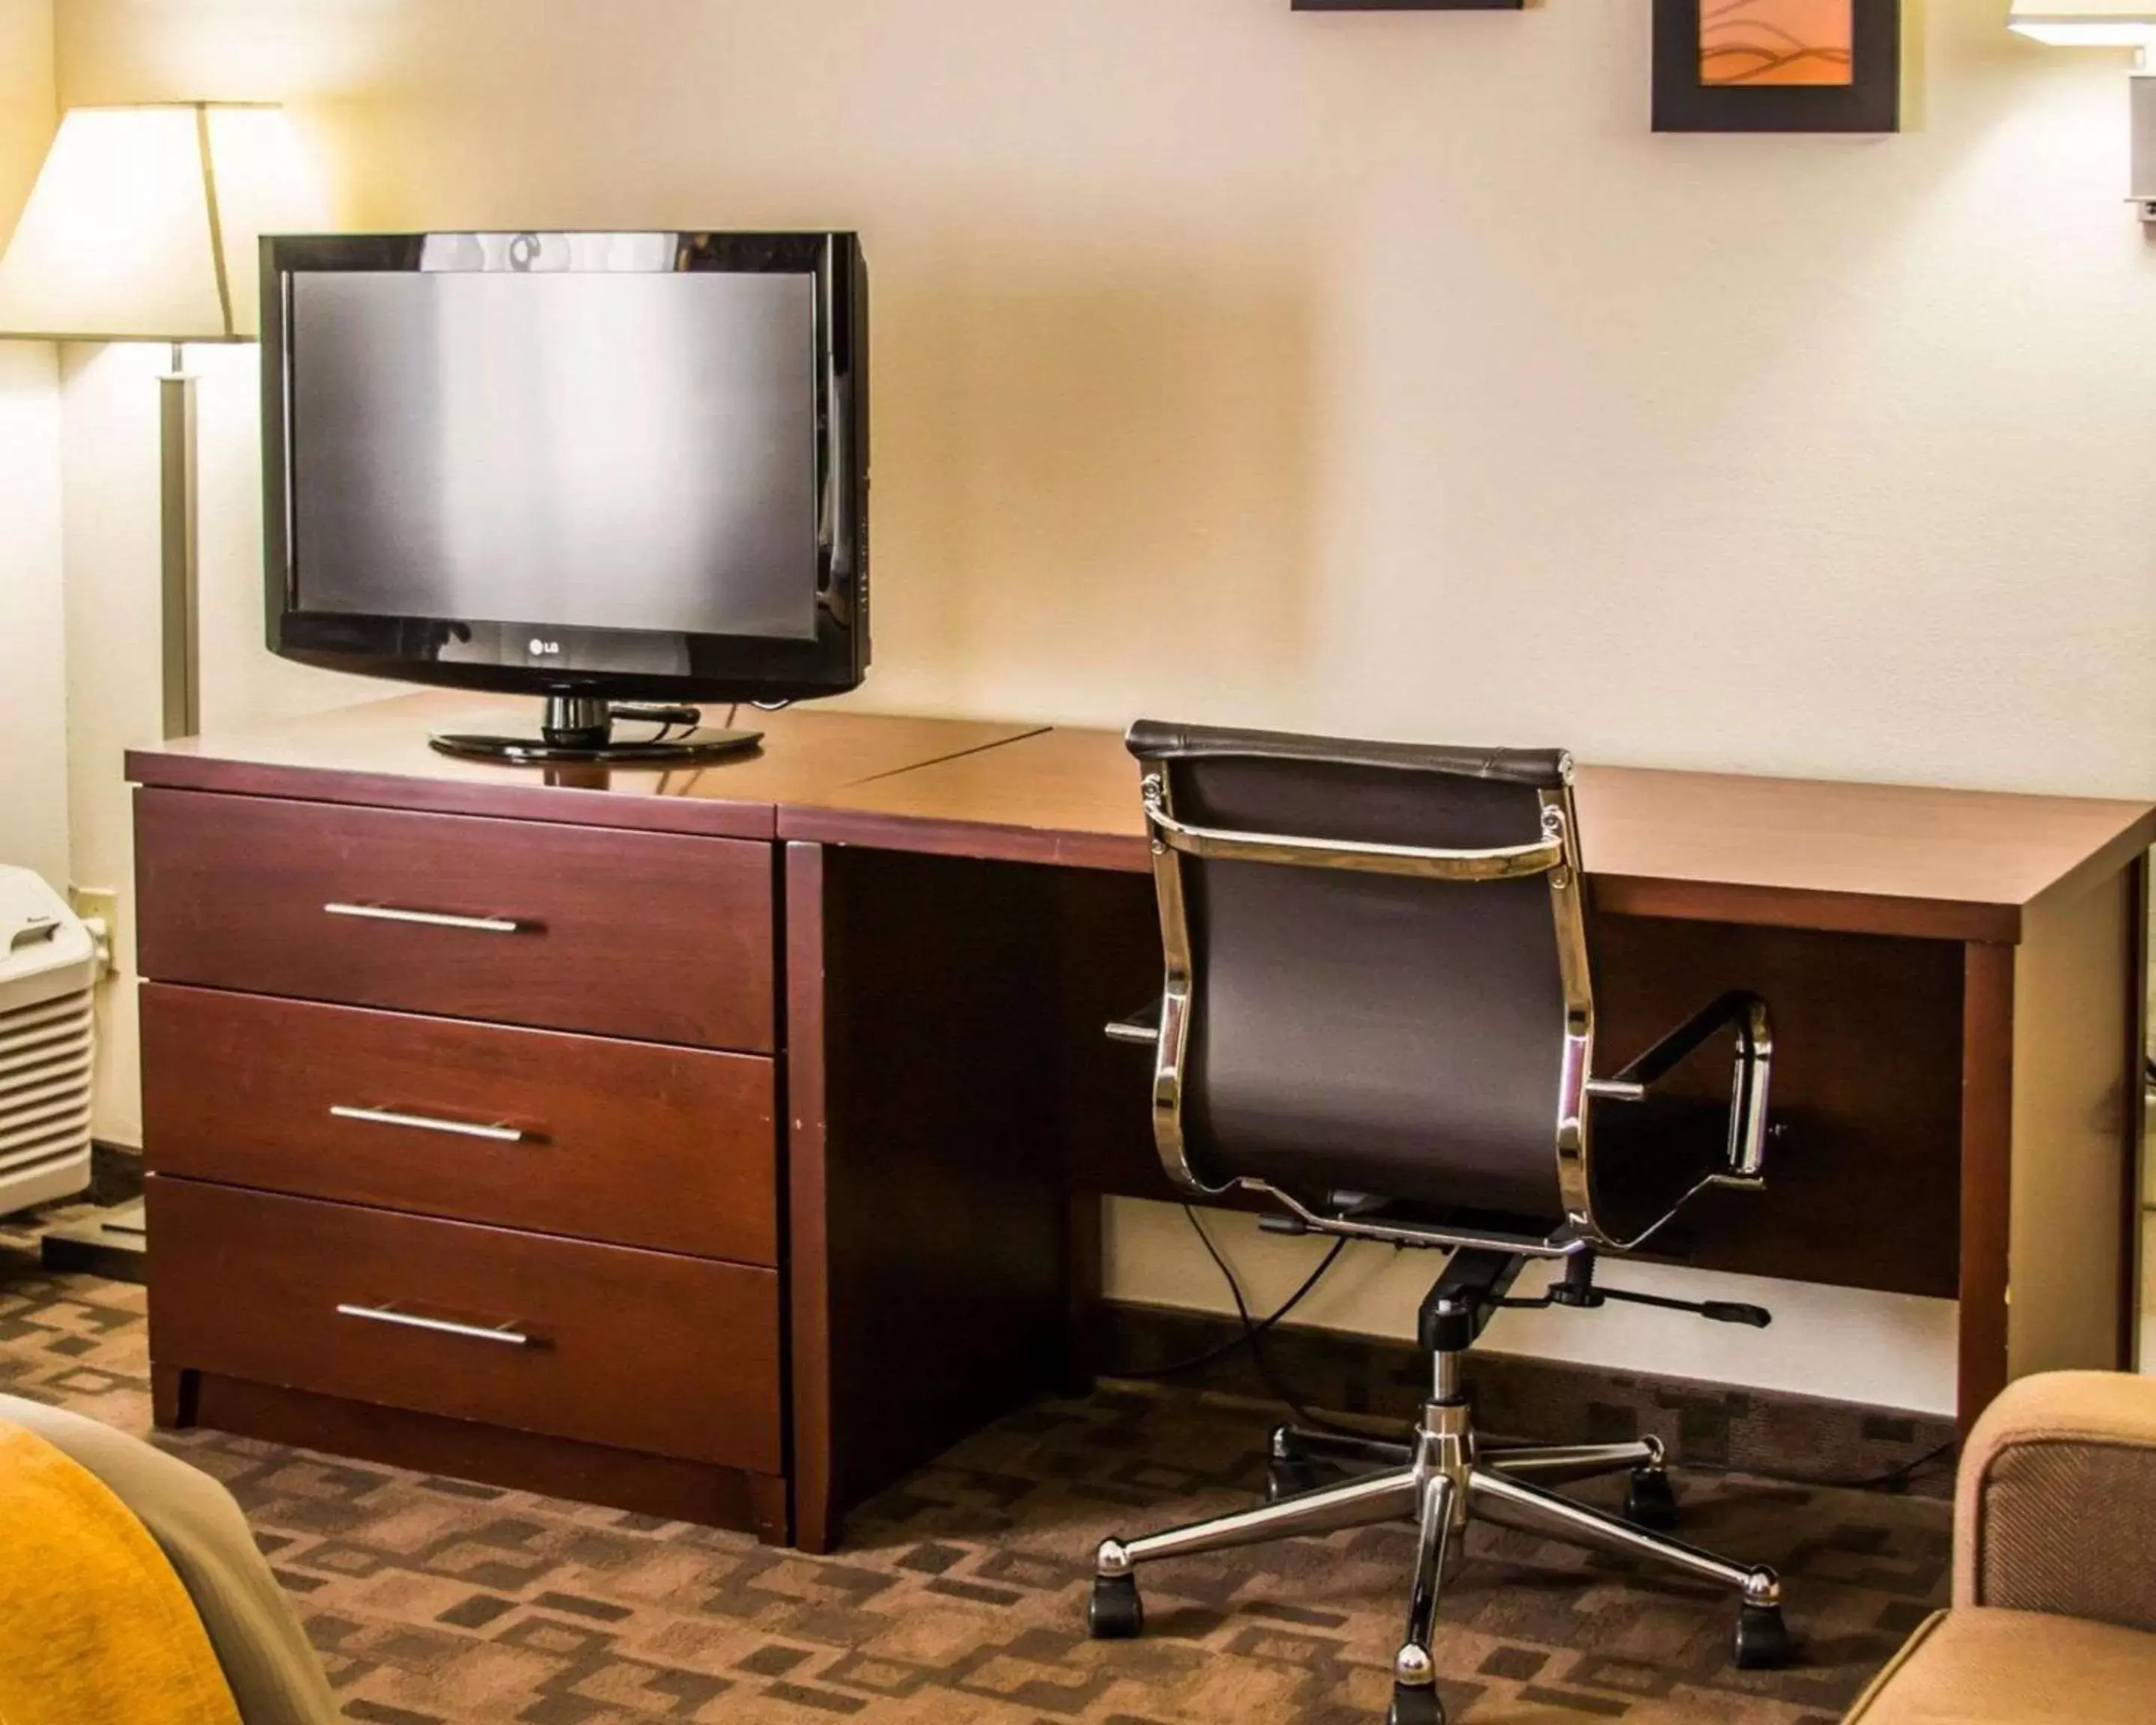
(463,1131)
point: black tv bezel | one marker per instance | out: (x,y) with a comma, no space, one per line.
(498,652)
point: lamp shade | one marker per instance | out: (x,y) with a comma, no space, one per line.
(2086,23)
(142,225)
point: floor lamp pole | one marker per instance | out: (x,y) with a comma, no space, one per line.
(181,625)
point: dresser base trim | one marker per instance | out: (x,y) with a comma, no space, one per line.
(495,1456)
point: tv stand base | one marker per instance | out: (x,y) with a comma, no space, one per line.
(695,749)
(579,730)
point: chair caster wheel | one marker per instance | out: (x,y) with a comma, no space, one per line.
(1763,1638)
(1283,1479)
(1417,1706)
(1649,1502)
(1115,1613)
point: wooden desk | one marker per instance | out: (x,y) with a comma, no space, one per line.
(1957,977)
(891,943)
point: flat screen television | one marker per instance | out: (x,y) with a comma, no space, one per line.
(598,467)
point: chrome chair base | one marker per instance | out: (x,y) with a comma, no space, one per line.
(1441,1481)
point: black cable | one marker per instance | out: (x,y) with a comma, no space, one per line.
(1907,1472)
(1893,1476)
(1880,1481)
(1253,1328)
(667,729)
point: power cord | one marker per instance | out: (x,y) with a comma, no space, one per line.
(669,717)
(667,727)
(1893,1478)
(1254,1329)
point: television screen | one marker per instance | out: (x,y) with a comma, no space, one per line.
(601,451)
(601,465)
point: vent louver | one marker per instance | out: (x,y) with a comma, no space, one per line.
(48,1043)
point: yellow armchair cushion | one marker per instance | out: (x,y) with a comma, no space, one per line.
(94,1627)
(1978,1665)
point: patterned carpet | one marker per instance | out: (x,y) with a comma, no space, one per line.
(959,1598)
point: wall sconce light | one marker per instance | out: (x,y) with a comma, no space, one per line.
(2108,24)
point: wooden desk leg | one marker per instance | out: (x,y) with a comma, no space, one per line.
(1987,1138)
(2136,1123)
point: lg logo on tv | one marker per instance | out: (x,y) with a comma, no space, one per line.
(545,649)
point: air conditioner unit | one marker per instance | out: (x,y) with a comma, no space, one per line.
(47,1040)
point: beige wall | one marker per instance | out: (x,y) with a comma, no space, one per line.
(1379,372)
(109,520)
(33,815)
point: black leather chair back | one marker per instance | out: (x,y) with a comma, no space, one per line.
(1366,1032)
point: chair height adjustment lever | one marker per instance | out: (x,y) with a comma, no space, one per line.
(1578,1288)
(1721,1312)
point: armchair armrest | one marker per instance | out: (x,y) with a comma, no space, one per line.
(1746,1013)
(2054,1507)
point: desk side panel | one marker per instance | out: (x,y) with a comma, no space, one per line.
(2075,1104)
(1987,1139)
(808,1299)
(930,1227)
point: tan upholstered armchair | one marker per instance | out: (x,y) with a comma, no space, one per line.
(2054,1615)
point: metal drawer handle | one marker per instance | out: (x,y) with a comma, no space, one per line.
(429,1123)
(432,919)
(439,1326)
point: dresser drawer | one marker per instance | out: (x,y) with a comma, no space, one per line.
(645,1351)
(653,935)
(636,1143)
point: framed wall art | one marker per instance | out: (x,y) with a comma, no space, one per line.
(1777,66)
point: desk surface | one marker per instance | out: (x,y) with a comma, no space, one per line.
(1861,858)
(377,753)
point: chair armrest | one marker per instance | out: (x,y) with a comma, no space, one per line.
(1738,1010)
(2054,1508)
(1142,1027)
(1743,1012)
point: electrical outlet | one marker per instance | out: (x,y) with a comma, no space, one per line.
(100,905)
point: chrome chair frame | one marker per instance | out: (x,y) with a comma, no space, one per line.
(1556,857)
(1444,1476)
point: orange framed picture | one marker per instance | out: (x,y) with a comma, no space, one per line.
(1777,66)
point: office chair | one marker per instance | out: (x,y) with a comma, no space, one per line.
(1378,1014)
